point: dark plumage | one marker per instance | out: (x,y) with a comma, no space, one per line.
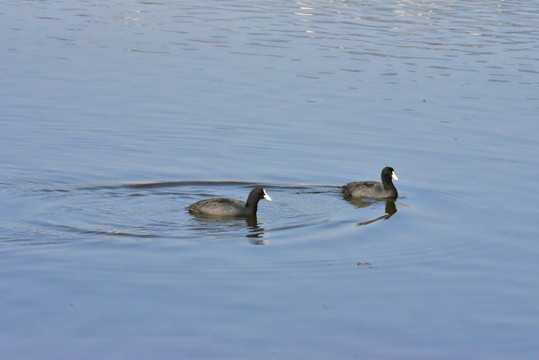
(230,207)
(373,189)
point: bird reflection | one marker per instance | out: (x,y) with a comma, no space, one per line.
(222,224)
(390,209)
(256,232)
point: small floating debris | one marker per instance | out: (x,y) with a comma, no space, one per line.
(364,264)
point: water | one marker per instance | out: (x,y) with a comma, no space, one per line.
(117,116)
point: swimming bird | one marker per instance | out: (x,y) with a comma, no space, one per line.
(230,207)
(373,189)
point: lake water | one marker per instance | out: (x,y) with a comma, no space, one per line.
(117,115)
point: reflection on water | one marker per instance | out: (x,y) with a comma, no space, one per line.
(256,233)
(210,224)
(390,209)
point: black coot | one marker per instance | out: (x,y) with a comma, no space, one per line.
(373,189)
(230,207)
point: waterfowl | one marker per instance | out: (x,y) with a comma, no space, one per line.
(373,189)
(230,207)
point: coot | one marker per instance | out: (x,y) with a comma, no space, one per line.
(373,189)
(230,207)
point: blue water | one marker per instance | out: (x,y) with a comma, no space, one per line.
(115,117)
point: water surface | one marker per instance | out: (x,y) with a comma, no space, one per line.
(115,117)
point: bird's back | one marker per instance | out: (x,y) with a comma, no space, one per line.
(367,189)
(218,207)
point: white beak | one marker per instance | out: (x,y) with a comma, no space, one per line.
(266,196)
(394,176)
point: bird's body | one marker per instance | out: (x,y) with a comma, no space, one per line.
(230,207)
(373,189)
